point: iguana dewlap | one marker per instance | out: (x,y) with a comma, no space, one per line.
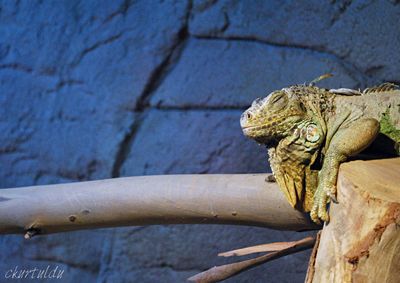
(309,131)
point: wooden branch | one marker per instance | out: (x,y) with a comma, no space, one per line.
(243,199)
(311,262)
(362,241)
(219,273)
(264,248)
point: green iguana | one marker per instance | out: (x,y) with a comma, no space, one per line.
(310,130)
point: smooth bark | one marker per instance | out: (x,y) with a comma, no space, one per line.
(242,199)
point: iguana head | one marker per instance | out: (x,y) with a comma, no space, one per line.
(272,118)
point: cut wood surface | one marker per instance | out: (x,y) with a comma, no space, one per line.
(361,243)
(243,199)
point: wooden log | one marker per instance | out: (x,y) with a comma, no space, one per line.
(361,243)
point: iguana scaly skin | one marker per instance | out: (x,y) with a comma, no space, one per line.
(309,131)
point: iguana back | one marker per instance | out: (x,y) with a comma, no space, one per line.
(377,103)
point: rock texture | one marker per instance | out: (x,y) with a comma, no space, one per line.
(92,90)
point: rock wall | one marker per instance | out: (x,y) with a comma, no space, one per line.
(100,89)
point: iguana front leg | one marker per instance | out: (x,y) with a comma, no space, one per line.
(346,142)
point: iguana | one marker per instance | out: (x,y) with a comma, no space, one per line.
(310,130)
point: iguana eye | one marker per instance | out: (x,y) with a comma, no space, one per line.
(278,100)
(277,97)
(248,115)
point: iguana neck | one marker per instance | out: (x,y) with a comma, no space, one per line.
(318,104)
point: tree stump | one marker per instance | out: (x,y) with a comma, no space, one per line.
(361,243)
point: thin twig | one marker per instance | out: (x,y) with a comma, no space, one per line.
(219,273)
(270,247)
(311,264)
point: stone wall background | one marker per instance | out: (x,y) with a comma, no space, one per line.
(100,89)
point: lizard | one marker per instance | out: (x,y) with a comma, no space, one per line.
(309,131)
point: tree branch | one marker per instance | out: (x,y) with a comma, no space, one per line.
(219,273)
(242,199)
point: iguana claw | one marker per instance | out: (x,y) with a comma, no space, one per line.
(332,197)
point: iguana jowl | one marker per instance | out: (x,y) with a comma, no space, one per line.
(309,131)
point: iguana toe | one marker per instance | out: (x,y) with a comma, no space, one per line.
(322,212)
(322,201)
(314,214)
(319,211)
